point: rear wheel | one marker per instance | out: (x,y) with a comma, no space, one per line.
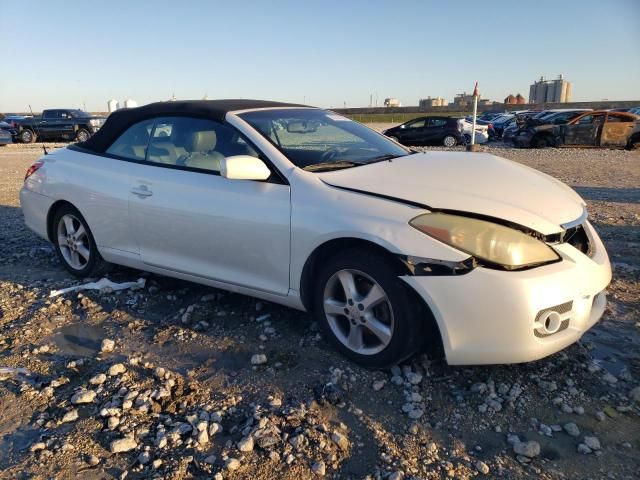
(450,141)
(75,245)
(365,310)
(27,136)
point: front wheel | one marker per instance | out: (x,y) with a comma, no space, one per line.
(82,135)
(75,245)
(450,141)
(365,310)
(541,141)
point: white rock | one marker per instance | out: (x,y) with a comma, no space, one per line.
(117,369)
(582,448)
(572,429)
(482,467)
(84,396)
(232,464)
(203,437)
(529,449)
(340,440)
(113,422)
(379,385)
(123,445)
(98,379)
(319,468)
(70,416)
(258,359)
(592,442)
(246,444)
(107,345)
(414,378)
(214,428)
(635,395)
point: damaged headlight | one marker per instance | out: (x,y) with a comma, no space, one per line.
(491,243)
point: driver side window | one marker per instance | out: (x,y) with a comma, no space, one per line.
(417,124)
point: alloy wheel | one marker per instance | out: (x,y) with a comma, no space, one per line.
(73,242)
(449,141)
(358,312)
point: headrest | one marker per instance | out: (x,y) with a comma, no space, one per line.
(202,141)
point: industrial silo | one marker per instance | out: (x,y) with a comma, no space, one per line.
(112,105)
(128,103)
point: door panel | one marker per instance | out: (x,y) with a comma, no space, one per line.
(414,133)
(234,231)
(616,133)
(585,130)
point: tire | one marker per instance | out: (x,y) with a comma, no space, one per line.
(78,254)
(395,316)
(449,141)
(27,136)
(82,135)
(541,141)
(634,143)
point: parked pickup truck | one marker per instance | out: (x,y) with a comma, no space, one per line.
(58,124)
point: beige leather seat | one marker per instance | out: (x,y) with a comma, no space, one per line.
(200,147)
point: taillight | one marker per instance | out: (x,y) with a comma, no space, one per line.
(33,169)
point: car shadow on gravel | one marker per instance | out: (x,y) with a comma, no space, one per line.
(617,195)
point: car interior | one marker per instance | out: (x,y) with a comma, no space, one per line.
(181,141)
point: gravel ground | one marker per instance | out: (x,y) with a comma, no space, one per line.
(176,380)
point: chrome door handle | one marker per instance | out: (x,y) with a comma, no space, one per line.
(142,191)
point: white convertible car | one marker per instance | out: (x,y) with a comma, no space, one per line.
(478,258)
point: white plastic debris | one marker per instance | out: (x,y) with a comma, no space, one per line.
(102,284)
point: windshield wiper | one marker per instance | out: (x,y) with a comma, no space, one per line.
(325,166)
(383,158)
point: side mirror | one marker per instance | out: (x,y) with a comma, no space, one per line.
(244,167)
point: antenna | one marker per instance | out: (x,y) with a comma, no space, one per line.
(35,126)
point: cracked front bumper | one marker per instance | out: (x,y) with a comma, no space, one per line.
(489,316)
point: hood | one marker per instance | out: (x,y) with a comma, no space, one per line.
(469,182)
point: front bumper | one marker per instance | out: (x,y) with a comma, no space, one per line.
(489,316)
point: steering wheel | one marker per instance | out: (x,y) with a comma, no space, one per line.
(330,154)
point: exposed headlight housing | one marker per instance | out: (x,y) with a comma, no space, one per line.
(95,122)
(494,245)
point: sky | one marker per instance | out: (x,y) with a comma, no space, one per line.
(325,53)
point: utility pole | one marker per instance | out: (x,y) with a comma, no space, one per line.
(476,93)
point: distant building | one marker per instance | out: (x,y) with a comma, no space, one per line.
(550,91)
(392,102)
(462,100)
(432,102)
(515,100)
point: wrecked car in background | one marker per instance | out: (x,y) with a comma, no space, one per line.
(590,129)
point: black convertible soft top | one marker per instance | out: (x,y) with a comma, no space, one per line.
(120,120)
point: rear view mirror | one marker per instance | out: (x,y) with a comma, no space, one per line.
(244,167)
(299,126)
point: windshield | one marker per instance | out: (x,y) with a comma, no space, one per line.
(317,140)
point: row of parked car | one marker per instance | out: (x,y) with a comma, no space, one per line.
(54,124)
(528,128)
